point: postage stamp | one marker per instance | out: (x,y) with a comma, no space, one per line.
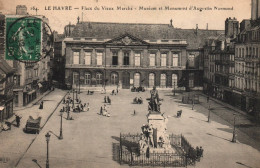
(23,39)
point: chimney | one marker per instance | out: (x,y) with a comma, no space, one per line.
(197,28)
(21,10)
(171,23)
(207,26)
(78,19)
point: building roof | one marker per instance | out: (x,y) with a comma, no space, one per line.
(5,68)
(195,38)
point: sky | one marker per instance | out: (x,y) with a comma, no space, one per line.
(212,12)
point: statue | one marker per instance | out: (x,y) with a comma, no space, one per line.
(154,104)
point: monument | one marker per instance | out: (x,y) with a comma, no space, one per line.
(154,135)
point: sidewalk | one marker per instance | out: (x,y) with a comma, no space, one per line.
(225,111)
(17,109)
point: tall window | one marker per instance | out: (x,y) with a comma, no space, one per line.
(137,80)
(174,80)
(191,60)
(75,57)
(151,80)
(114,78)
(137,59)
(115,58)
(163,59)
(99,78)
(99,58)
(75,78)
(163,80)
(175,60)
(126,58)
(191,80)
(87,78)
(87,58)
(152,59)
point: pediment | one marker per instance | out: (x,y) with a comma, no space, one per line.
(126,40)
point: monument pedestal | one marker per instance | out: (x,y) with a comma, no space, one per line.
(160,137)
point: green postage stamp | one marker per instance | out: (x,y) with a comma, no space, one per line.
(23,39)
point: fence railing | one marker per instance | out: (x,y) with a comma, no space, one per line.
(129,154)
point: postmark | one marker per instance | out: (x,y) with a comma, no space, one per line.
(28,39)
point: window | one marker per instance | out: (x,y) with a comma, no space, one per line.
(99,78)
(163,80)
(75,57)
(136,80)
(75,78)
(152,59)
(115,58)
(137,59)
(87,58)
(174,80)
(99,58)
(151,80)
(191,80)
(163,59)
(126,58)
(191,60)
(175,59)
(87,78)
(114,78)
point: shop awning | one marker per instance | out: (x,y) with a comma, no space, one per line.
(2,108)
(31,92)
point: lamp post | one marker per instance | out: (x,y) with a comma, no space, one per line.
(174,88)
(234,138)
(61,136)
(209,113)
(48,135)
(68,112)
(73,99)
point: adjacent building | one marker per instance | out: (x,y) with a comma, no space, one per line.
(6,90)
(30,79)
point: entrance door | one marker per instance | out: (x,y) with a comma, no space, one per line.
(126,80)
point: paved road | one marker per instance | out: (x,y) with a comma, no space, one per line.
(88,139)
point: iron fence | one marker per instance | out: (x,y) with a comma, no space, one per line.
(129,152)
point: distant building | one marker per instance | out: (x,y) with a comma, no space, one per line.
(125,54)
(6,90)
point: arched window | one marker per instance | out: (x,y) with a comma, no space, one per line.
(151,80)
(99,78)
(163,80)
(136,80)
(114,78)
(174,80)
(87,80)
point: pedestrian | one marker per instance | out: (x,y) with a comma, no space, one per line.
(113,91)
(63,101)
(17,118)
(134,112)
(88,107)
(207,99)
(105,99)
(192,104)
(101,111)
(41,105)
(88,92)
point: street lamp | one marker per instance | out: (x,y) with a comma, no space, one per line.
(68,112)
(209,113)
(234,138)
(61,136)
(73,99)
(48,135)
(174,88)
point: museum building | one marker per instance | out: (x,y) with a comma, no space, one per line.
(128,54)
